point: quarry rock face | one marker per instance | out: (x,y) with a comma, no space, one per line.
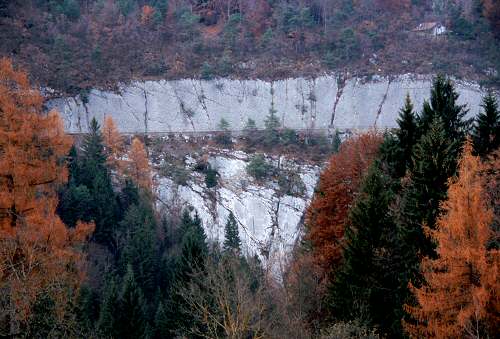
(269,220)
(191,105)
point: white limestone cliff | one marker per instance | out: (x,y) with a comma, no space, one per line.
(269,221)
(325,102)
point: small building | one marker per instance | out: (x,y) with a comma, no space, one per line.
(430,29)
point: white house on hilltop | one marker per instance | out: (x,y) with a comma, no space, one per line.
(430,28)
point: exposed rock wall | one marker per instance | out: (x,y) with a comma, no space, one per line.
(325,102)
(269,220)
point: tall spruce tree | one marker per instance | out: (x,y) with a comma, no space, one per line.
(141,245)
(486,132)
(131,313)
(444,104)
(434,161)
(364,286)
(232,242)
(191,261)
(407,132)
(107,323)
(93,157)
(94,174)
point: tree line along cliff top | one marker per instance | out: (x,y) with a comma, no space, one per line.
(74,45)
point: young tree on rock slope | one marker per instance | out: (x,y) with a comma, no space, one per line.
(113,142)
(138,166)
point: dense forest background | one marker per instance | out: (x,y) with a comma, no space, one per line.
(74,45)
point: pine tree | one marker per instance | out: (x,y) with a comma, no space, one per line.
(486,133)
(232,242)
(94,174)
(107,324)
(459,297)
(434,161)
(443,104)
(272,125)
(141,246)
(93,156)
(191,261)
(336,142)
(161,322)
(365,286)
(131,313)
(407,132)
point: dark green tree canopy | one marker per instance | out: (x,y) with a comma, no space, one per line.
(444,105)
(232,242)
(486,132)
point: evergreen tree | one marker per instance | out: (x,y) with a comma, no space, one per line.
(93,156)
(365,284)
(336,142)
(232,242)
(103,208)
(434,161)
(272,125)
(131,312)
(141,247)
(192,259)
(194,247)
(407,132)
(129,195)
(161,322)
(107,324)
(443,104)
(94,174)
(250,125)
(486,133)
(74,204)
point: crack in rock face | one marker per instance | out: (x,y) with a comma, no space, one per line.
(269,222)
(357,103)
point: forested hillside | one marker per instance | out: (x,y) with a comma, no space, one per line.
(401,238)
(75,45)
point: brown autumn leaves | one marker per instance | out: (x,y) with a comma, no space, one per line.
(39,256)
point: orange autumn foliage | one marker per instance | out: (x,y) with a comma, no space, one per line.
(113,142)
(461,290)
(339,183)
(146,14)
(138,166)
(37,251)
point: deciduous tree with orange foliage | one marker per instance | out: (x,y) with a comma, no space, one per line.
(138,166)
(460,294)
(38,258)
(338,186)
(114,144)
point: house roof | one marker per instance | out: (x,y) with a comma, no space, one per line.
(425,26)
